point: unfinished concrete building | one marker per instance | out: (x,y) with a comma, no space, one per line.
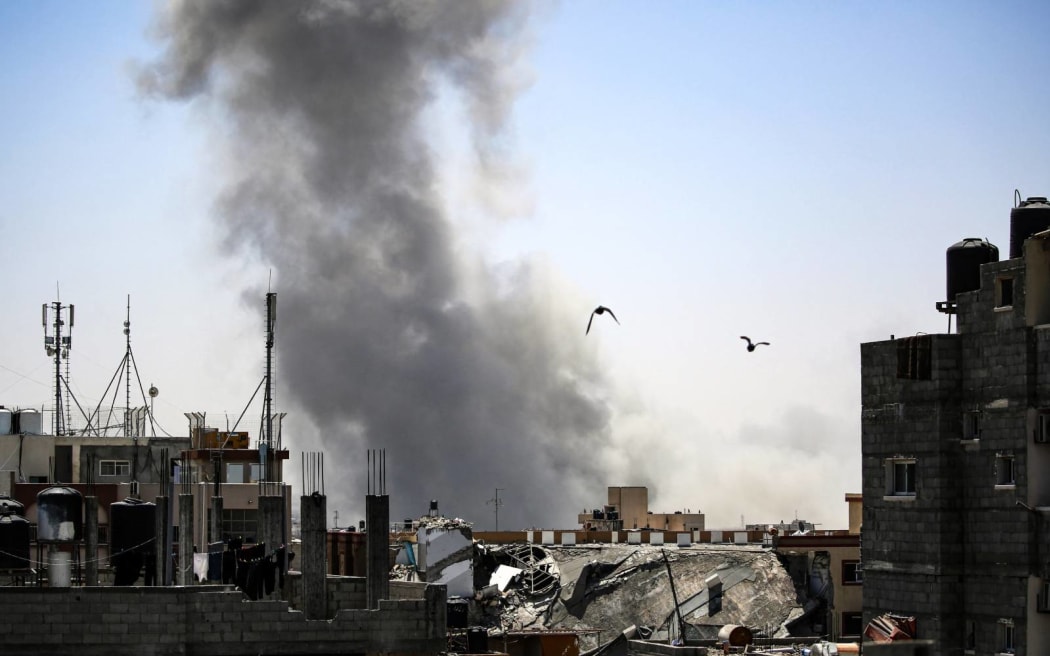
(956,441)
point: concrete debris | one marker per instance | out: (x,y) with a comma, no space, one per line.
(889,628)
(599,590)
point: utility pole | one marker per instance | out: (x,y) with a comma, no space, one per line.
(496,503)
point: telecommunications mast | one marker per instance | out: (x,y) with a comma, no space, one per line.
(57,345)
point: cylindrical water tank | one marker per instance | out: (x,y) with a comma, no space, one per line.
(14,542)
(28,421)
(964,261)
(6,419)
(60,514)
(1029,217)
(58,569)
(132,525)
(735,635)
(9,506)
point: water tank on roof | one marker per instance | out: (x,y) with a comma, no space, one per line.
(6,421)
(964,264)
(1026,219)
(132,525)
(14,542)
(9,506)
(28,421)
(60,514)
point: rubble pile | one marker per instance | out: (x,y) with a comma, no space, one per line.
(602,590)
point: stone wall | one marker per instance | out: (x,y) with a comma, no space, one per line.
(209,621)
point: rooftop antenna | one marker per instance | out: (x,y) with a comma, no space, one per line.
(496,503)
(271,320)
(57,346)
(127,372)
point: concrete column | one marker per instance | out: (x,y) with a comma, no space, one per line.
(377,556)
(161,546)
(215,526)
(186,576)
(271,520)
(91,540)
(312,562)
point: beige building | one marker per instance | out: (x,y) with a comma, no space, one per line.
(628,509)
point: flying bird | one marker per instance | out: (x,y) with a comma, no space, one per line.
(601,309)
(750,346)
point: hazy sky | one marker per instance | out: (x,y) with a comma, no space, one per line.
(441,193)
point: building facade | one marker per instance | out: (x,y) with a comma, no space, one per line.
(955,435)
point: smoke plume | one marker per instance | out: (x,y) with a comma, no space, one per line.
(392,335)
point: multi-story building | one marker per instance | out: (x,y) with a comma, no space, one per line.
(628,509)
(955,437)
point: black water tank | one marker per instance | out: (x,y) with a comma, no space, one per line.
(964,264)
(60,514)
(1029,217)
(14,542)
(132,525)
(9,506)
(477,640)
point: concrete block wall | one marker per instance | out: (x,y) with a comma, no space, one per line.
(207,621)
(963,549)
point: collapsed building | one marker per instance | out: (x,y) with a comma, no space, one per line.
(522,585)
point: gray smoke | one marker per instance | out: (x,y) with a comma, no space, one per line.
(390,336)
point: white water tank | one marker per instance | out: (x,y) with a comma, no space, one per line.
(5,421)
(29,422)
(59,569)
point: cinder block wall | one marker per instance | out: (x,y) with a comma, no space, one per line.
(208,621)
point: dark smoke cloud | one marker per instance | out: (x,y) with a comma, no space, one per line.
(471,377)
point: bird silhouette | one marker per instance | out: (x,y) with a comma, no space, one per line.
(750,346)
(601,309)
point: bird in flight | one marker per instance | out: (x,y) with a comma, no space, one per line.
(750,346)
(601,309)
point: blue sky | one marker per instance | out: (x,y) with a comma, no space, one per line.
(791,171)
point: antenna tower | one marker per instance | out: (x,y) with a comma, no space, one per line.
(58,345)
(271,320)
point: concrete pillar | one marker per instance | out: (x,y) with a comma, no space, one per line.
(90,540)
(215,526)
(377,556)
(271,522)
(161,547)
(314,566)
(186,576)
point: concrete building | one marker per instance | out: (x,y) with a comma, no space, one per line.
(826,568)
(628,508)
(955,435)
(114,468)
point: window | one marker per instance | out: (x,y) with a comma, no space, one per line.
(258,472)
(1004,292)
(1006,636)
(900,477)
(972,425)
(1042,427)
(914,357)
(114,468)
(1004,469)
(852,573)
(1042,600)
(852,624)
(239,523)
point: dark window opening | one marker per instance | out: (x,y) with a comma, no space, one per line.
(1005,292)
(852,624)
(914,357)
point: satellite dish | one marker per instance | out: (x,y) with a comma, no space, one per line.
(153,392)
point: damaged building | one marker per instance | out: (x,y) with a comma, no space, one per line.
(685,588)
(955,433)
